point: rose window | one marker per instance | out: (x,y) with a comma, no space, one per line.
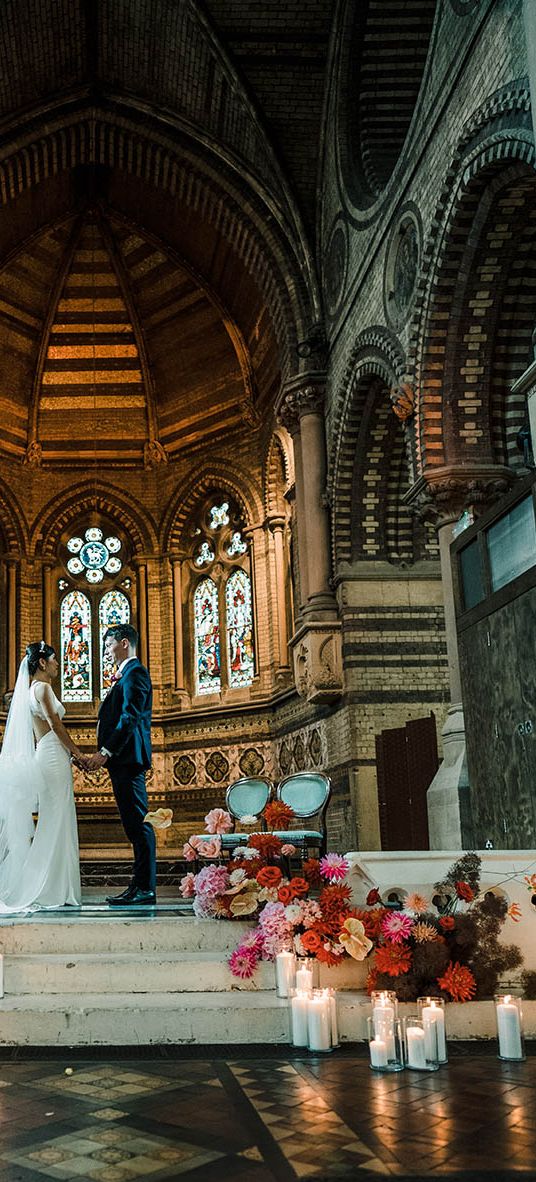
(94,555)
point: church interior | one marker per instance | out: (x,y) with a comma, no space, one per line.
(268,341)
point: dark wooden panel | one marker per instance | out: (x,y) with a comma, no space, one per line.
(406,764)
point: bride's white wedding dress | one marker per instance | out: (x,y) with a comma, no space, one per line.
(39,867)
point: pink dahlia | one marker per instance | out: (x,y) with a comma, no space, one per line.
(396,926)
(334,867)
(218,821)
(243,962)
(187,886)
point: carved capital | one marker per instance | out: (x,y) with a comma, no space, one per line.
(303,396)
(402,401)
(317,656)
(34,455)
(442,495)
(154,454)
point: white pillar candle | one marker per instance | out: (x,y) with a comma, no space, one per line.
(304,979)
(300,1034)
(332,998)
(433,1020)
(285,971)
(384,1029)
(378,1053)
(509,1030)
(416,1049)
(381,1013)
(319,1023)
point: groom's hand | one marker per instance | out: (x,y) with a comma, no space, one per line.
(95,761)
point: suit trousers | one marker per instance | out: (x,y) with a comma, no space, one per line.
(128,783)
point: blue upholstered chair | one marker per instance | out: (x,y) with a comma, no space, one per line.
(244,798)
(308,794)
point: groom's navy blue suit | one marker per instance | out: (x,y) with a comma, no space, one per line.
(124,729)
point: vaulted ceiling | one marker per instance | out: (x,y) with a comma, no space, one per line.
(158,164)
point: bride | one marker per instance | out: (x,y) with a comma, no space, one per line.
(39,867)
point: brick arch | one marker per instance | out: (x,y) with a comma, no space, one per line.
(491,184)
(279,460)
(14,533)
(377,356)
(239,486)
(56,516)
(238,212)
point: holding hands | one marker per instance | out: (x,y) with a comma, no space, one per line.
(88,763)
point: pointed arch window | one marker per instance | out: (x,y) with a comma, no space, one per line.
(207,638)
(94,590)
(76,647)
(239,627)
(221,599)
(114,608)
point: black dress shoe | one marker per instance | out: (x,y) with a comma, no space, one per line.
(125,896)
(138,898)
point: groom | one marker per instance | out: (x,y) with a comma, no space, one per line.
(124,738)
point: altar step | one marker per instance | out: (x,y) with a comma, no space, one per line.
(125,972)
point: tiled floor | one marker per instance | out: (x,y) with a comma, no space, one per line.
(273,1118)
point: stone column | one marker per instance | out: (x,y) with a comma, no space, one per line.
(141,573)
(290,418)
(320,596)
(47,603)
(441,497)
(276,525)
(12,639)
(176,566)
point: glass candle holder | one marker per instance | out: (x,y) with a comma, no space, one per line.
(385,1046)
(432,1012)
(331,994)
(384,1006)
(299,1027)
(285,974)
(509,1015)
(319,1021)
(421,1051)
(304,976)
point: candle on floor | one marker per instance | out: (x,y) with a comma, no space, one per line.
(416,1048)
(331,994)
(378,1053)
(285,973)
(319,1022)
(299,1009)
(384,1027)
(508,1013)
(386,1053)
(304,977)
(432,1012)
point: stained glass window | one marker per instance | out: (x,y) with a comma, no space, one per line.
(219,515)
(75,624)
(93,556)
(207,638)
(205,554)
(239,621)
(237,545)
(114,608)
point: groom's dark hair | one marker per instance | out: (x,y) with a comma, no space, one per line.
(123,632)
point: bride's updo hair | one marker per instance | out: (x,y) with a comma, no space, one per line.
(34,652)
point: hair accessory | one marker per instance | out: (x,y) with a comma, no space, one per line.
(42,646)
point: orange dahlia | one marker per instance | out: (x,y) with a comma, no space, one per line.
(278,815)
(311,871)
(393,959)
(326,956)
(371,920)
(458,980)
(268,845)
(334,897)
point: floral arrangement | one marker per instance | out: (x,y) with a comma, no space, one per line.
(450,944)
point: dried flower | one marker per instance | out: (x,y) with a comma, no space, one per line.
(393,959)
(334,867)
(464,891)
(416,903)
(218,821)
(354,939)
(514,912)
(396,926)
(424,933)
(459,981)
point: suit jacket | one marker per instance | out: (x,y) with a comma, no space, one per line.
(124,725)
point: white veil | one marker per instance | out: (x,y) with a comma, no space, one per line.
(19,786)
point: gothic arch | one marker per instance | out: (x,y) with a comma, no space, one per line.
(13,525)
(478,241)
(279,462)
(240,487)
(57,514)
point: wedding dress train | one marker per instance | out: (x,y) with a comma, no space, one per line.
(40,867)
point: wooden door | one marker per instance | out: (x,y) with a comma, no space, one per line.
(406,759)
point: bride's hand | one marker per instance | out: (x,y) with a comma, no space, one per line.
(81,761)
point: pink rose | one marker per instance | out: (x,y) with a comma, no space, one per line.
(192,848)
(218,821)
(210,849)
(187,886)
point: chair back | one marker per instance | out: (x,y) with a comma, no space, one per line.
(248,796)
(307,793)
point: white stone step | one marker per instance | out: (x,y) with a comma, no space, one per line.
(112,933)
(127,972)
